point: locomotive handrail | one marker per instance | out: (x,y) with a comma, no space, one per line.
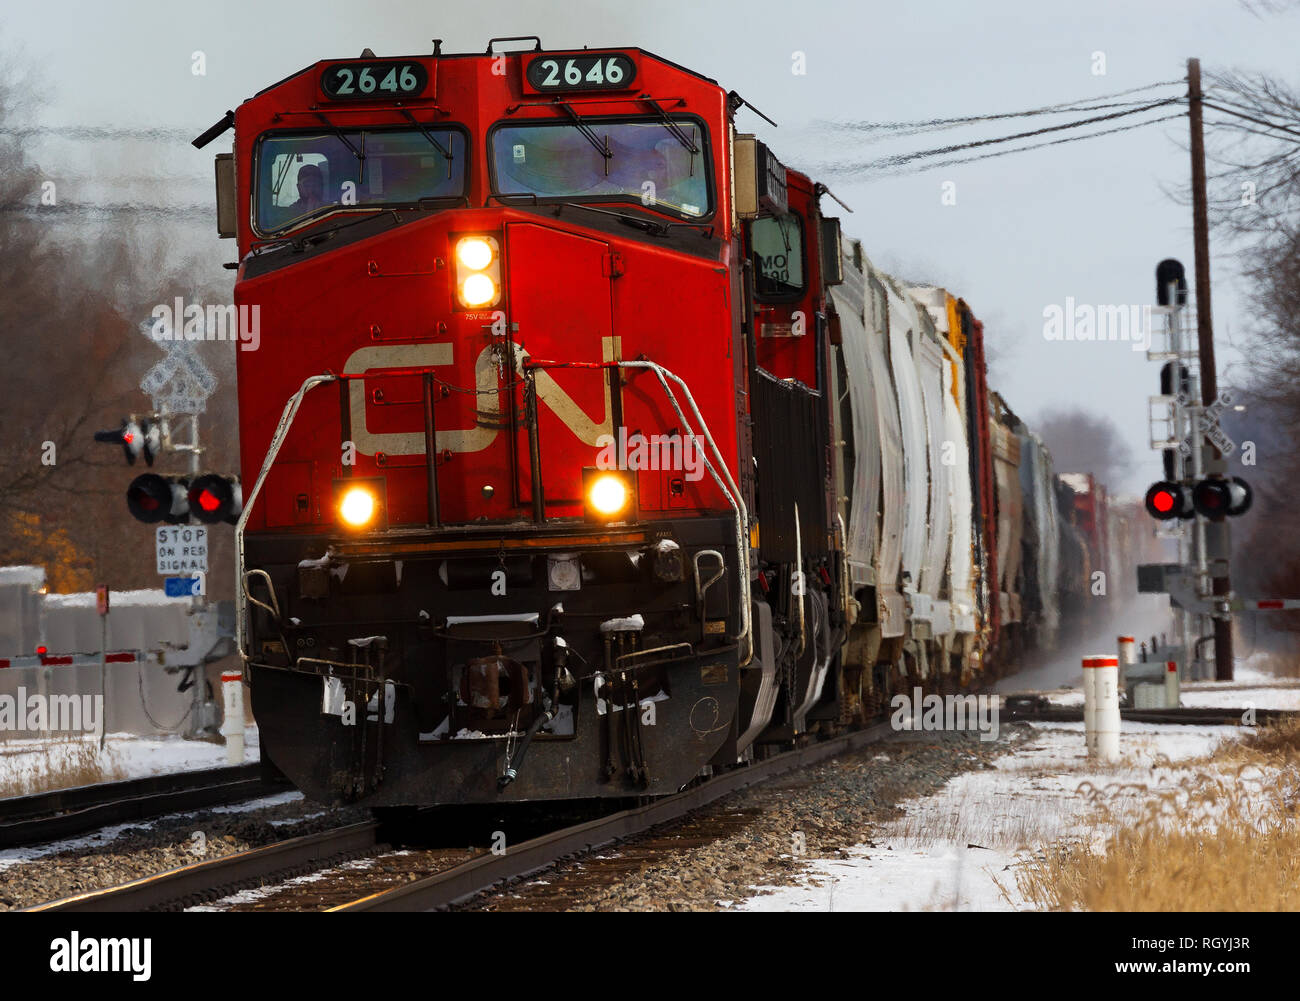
(277,440)
(515,38)
(729,488)
(733,494)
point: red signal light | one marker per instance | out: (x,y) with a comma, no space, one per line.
(215,498)
(41,651)
(1166,500)
(152,498)
(1216,497)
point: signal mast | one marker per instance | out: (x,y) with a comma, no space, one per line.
(179,385)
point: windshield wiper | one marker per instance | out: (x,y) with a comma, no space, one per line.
(360,154)
(299,243)
(581,125)
(320,213)
(674,129)
(648,225)
(278,182)
(432,141)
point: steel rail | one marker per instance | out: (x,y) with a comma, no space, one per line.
(1184,716)
(217,877)
(62,813)
(484,871)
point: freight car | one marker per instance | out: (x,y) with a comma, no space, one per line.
(581,453)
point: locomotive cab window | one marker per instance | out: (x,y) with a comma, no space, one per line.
(776,244)
(662,165)
(301,177)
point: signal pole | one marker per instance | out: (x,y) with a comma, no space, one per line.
(1218,530)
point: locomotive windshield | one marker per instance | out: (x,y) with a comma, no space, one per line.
(303,176)
(660,164)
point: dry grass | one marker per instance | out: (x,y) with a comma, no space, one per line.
(1225,838)
(67,760)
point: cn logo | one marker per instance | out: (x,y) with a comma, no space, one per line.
(473,439)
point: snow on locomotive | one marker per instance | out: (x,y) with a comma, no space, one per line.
(583,456)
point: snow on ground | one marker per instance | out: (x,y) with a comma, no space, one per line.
(127,755)
(105,835)
(960,848)
(1251,687)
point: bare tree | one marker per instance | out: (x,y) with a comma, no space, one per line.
(1084,442)
(72,292)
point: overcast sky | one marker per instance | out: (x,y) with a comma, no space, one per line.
(1085,220)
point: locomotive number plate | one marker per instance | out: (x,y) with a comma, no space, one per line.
(593,71)
(373,81)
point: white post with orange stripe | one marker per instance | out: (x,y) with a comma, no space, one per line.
(232,725)
(1127,657)
(1101,705)
(1171,684)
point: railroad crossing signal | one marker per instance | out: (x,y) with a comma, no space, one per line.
(1214,498)
(179,383)
(1217,497)
(137,437)
(1166,500)
(215,498)
(152,498)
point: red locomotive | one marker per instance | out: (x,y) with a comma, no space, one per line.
(562,475)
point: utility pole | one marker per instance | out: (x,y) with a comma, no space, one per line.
(1219,545)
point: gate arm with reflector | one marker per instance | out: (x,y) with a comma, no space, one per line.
(1264,604)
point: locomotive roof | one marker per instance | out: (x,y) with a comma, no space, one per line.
(439,54)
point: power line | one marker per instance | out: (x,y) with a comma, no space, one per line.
(1250,118)
(1067,106)
(905,158)
(1054,142)
(886,136)
(846,169)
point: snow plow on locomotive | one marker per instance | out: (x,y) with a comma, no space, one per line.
(583,454)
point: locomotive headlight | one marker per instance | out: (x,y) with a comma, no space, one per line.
(357,506)
(608,495)
(478,290)
(361,504)
(475,253)
(478,271)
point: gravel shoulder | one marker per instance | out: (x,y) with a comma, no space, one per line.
(125,852)
(761,835)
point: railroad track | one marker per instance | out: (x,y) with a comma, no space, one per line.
(64,813)
(455,880)
(217,877)
(1184,716)
(460,882)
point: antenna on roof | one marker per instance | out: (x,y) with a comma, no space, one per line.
(367,53)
